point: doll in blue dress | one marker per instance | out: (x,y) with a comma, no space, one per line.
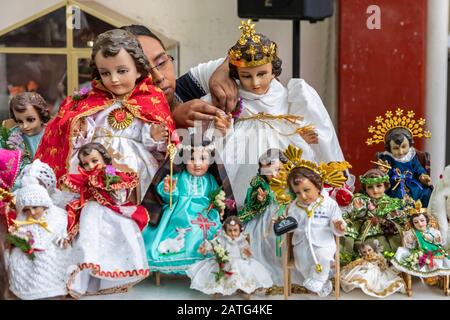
(191,214)
(400,159)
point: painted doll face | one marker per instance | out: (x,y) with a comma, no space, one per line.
(376,191)
(118,73)
(92,160)
(399,151)
(199,163)
(271,170)
(420,223)
(161,66)
(233,230)
(366,250)
(29,121)
(306,191)
(34,212)
(256,79)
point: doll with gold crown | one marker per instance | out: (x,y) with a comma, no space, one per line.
(400,159)
(269,115)
(318,215)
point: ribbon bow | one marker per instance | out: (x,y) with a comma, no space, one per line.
(41,222)
(402,178)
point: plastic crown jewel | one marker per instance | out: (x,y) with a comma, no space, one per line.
(250,41)
(384,125)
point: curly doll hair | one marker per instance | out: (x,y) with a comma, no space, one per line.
(109,43)
(88,148)
(299,174)
(21,100)
(264,41)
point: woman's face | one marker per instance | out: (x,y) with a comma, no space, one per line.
(118,73)
(375,191)
(162,68)
(199,163)
(256,79)
(306,191)
(420,223)
(29,121)
(92,160)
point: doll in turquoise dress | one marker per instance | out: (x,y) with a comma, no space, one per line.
(200,200)
(29,110)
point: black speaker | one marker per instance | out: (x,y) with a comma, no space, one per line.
(312,10)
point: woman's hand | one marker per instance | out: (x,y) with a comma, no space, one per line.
(159,132)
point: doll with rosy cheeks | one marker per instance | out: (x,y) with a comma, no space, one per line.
(104,226)
(319,221)
(236,270)
(39,260)
(422,253)
(124,112)
(373,215)
(30,111)
(193,203)
(371,273)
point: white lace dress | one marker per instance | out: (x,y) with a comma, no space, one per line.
(132,148)
(46,275)
(244,273)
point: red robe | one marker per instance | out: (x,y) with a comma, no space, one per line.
(145,102)
(90,186)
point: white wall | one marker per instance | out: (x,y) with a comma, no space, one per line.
(207,28)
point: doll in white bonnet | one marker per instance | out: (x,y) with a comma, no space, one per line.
(39,172)
(38,263)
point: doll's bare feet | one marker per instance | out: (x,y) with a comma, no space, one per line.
(215,296)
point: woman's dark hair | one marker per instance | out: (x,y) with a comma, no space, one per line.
(298,174)
(87,149)
(374,173)
(232,220)
(264,42)
(21,100)
(397,135)
(109,44)
(269,156)
(415,215)
(140,30)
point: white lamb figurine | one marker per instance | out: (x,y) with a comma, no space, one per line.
(173,245)
(439,205)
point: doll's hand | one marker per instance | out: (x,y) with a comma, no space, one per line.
(202,249)
(384,169)
(358,203)
(310,136)
(80,129)
(159,132)
(261,195)
(339,225)
(222,121)
(246,251)
(425,179)
(167,184)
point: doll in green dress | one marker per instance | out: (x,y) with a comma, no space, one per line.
(373,216)
(200,196)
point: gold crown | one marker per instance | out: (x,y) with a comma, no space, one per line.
(339,165)
(249,36)
(327,173)
(384,125)
(417,208)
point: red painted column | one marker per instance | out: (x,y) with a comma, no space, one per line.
(379,70)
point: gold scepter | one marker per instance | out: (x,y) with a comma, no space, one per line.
(172,151)
(381,164)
